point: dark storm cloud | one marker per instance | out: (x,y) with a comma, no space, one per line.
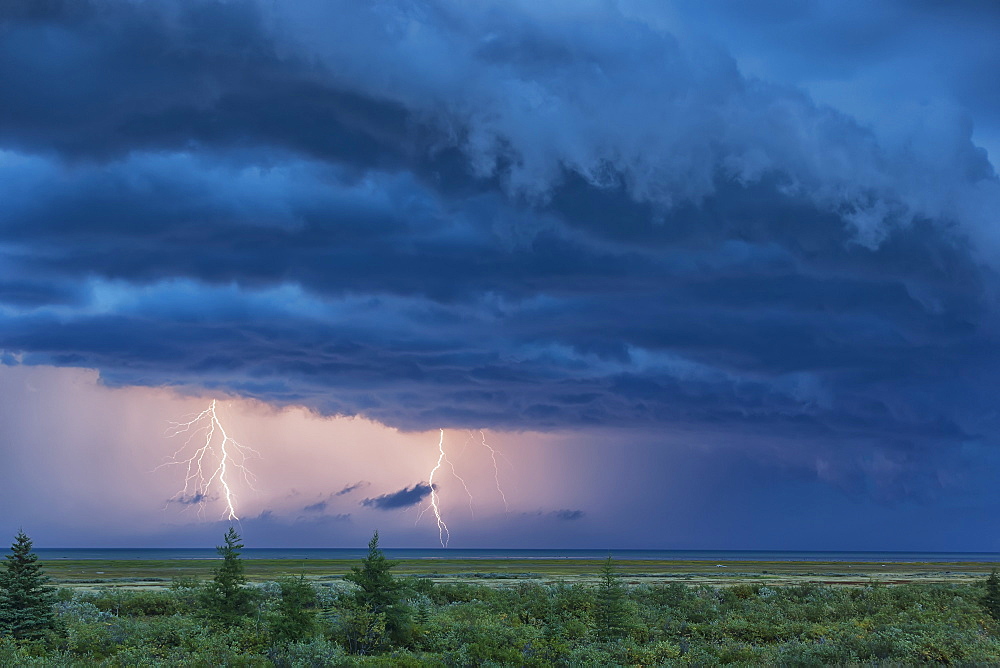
(831,39)
(882,59)
(321,505)
(404,498)
(190,499)
(361,484)
(104,79)
(487,216)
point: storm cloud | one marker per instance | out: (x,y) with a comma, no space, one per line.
(361,484)
(404,498)
(507,216)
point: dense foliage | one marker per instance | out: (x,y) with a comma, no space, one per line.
(374,619)
(525,624)
(991,598)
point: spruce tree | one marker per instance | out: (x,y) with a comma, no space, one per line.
(611,614)
(378,587)
(379,592)
(25,600)
(296,615)
(227,600)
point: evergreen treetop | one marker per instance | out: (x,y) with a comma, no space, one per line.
(25,599)
(611,614)
(231,572)
(379,599)
(378,587)
(226,599)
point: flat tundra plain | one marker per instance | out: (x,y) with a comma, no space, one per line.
(146,574)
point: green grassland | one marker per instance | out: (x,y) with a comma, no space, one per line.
(515,612)
(151,573)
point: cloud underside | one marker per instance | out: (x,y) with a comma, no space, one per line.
(404,498)
(435,216)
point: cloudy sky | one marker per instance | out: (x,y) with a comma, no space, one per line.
(650,274)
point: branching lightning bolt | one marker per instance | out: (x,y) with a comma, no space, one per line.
(444,536)
(496,470)
(200,475)
(454,472)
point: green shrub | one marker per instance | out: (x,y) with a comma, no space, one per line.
(314,653)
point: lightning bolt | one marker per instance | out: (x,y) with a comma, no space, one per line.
(496,470)
(211,461)
(454,472)
(444,536)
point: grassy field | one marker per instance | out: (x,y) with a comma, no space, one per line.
(143,573)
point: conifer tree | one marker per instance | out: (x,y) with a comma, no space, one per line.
(378,587)
(611,612)
(379,592)
(227,600)
(296,615)
(25,600)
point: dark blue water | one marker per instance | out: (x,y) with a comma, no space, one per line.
(439,553)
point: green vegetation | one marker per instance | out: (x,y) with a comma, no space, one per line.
(376,617)
(379,614)
(25,598)
(227,600)
(611,612)
(991,598)
(89,572)
(296,615)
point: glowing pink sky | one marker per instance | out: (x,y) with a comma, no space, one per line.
(103,455)
(83,465)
